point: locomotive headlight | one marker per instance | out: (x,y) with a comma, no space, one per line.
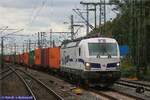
(118,64)
(87,66)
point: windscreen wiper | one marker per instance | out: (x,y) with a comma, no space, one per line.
(109,55)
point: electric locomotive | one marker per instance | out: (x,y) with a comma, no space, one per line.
(94,61)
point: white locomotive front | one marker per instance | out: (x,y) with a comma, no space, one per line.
(92,60)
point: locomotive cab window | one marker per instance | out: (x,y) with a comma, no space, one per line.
(102,49)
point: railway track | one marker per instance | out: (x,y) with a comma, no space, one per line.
(109,94)
(5,73)
(9,72)
(115,95)
(133,88)
(134,84)
(37,89)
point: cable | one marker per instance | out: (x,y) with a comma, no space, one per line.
(38,11)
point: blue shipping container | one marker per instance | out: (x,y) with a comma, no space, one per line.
(124,50)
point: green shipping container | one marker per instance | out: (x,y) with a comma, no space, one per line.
(31,58)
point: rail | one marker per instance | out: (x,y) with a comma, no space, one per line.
(40,82)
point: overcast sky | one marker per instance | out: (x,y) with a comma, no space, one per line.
(38,15)
(41,15)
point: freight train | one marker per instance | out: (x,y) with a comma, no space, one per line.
(94,61)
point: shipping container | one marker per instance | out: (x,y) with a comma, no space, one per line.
(12,58)
(54,58)
(124,50)
(21,58)
(37,60)
(17,58)
(26,58)
(43,58)
(47,56)
(6,58)
(32,56)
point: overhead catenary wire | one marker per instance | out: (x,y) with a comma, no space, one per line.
(38,11)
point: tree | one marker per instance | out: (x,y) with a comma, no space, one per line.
(132,27)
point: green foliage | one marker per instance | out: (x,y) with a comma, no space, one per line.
(127,68)
(147,75)
(131,27)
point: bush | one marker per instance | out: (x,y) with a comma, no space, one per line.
(127,67)
(147,75)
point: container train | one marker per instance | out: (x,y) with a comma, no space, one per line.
(93,61)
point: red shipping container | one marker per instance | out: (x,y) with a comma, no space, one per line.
(26,58)
(21,59)
(54,58)
(37,60)
(43,57)
(47,56)
(6,58)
